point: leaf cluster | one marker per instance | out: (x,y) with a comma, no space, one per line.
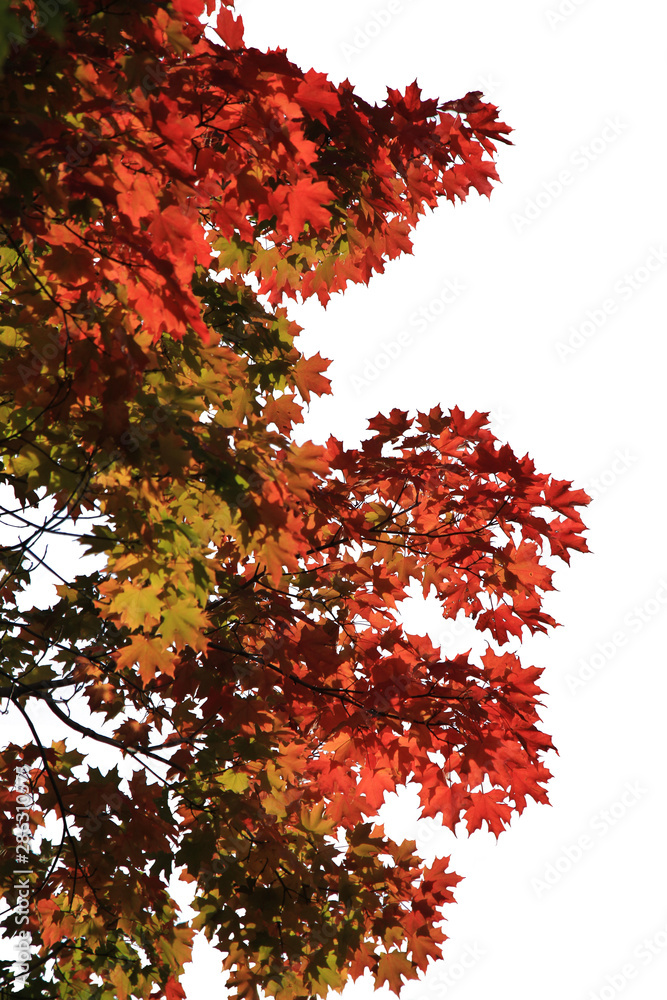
(233,668)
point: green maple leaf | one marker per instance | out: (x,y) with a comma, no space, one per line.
(182,624)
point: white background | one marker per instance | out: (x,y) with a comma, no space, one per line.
(593,415)
(571,901)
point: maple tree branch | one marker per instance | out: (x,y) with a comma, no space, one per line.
(36,962)
(40,689)
(341,695)
(462,531)
(35,688)
(102,738)
(112,276)
(43,528)
(392,516)
(46,566)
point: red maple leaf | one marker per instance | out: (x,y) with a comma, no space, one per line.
(308,201)
(488,806)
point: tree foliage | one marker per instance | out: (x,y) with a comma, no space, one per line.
(237,657)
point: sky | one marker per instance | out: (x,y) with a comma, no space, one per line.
(545,306)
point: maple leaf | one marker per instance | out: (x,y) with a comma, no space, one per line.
(173,990)
(307,202)
(501,622)
(308,378)
(489,807)
(393,969)
(136,606)
(278,552)
(229,27)
(139,200)
(313,820)
(523,563)
(121,982)
(182,624)
(373,787)
(317,96)
(565,534)
(423,948)
(560,497)
(450,800)
(284,412)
